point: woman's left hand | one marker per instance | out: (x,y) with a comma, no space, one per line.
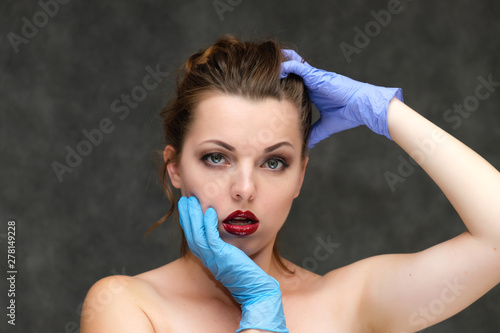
(258,293)
(343,102)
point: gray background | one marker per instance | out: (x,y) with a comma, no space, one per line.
(90,225)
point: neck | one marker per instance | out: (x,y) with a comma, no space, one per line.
(265,260)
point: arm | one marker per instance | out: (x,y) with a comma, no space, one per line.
(400,293)
(411,292)
(470,183)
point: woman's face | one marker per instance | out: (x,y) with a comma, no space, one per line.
(243,155)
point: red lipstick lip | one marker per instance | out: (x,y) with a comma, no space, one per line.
(241,230)
(238,213)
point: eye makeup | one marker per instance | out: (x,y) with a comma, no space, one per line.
(212,160)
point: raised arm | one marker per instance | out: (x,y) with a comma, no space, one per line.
(415,291)
(470,183)
(409,292)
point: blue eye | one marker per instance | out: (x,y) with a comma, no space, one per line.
(213,158)
(217,159)
(277,164)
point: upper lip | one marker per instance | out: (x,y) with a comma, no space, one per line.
(247,215)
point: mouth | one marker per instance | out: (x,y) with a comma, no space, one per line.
(241,223)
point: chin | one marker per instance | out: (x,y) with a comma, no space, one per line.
(251,246)
(242,243)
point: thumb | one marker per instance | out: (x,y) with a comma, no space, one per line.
(318,133)
(328,125)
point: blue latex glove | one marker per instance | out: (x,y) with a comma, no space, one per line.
(342,102)
(258,293)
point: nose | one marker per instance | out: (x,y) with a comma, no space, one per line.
(243,184)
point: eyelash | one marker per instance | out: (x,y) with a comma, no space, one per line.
(215,165)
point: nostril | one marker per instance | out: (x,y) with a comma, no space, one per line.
(242,185)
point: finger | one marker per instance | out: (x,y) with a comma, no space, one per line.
(182,205)
(294,67)
(323,128)
(196,219)
(211,227)
(316,135)
(186,225)
(320,131)
(292,55)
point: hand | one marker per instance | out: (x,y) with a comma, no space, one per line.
(258,293)
(342,102)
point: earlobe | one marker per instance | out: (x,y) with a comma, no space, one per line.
(172,167)
(302,175)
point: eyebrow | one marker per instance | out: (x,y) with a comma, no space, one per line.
(276,146)
(231,148)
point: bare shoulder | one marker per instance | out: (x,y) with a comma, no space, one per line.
(146,302)
(336,298)
(110,300)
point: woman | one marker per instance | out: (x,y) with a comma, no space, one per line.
(239,130)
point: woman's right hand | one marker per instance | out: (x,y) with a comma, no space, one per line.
(343,102)
(258,293)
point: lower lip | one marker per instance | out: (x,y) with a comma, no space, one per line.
(241,230)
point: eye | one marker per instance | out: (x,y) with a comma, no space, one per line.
(276,164)
(213,158)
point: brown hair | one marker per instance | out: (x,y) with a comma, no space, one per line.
(234,67)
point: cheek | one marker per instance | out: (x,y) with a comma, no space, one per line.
(206,185)
(277,196)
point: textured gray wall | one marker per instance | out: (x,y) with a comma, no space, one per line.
(64,77)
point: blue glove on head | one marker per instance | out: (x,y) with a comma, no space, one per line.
(342,102)
(258,293)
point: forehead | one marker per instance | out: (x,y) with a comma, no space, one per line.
(238,119)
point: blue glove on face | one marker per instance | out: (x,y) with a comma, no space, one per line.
(342,102)
(258,293)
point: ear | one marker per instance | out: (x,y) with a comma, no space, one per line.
(302,175)
(172,167)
